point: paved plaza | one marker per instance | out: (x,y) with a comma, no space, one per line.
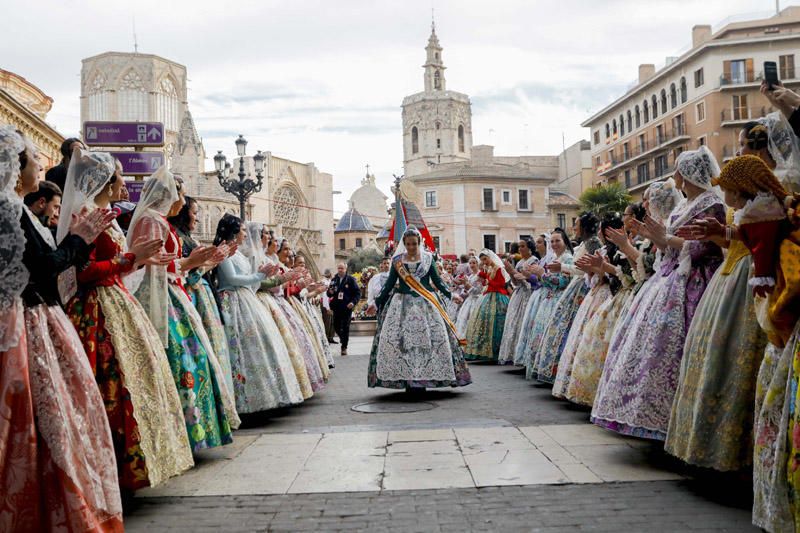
(501,454)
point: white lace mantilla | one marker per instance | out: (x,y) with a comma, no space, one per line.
(414,344)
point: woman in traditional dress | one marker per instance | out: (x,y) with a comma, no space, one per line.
(269,294)
(485,328)
(637,400)
(600,293)
(57,466)
(712,417)
(295,292)
(768,223)
(301,335)
(541,305)
(208,405)
(198,285)
(553,334)
(590,354)
(123,348)
(473,284)
(311,312)
(415,346)
(263,375)
(519,300)
(532,272)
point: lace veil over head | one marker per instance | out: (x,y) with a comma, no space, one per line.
(496,262)
(698,167)
(149,284)
(13,274)
(88,173)
(784,147)
(252,247)
(663,197)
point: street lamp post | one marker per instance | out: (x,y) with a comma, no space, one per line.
(244,187)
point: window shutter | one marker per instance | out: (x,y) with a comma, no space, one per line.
(726,70)
(749,68)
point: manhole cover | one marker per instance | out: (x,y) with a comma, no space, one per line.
(393,407)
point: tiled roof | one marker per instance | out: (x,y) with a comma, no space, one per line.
(354,221)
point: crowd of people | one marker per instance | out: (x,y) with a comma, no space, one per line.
(675,320)
(126,345)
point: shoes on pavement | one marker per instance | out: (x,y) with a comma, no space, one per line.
(331,341)
(344,351)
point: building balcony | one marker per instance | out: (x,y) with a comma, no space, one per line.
(643,150)
(731,80)
(637,187)
(739,116)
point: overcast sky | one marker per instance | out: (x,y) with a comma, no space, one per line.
(323,80)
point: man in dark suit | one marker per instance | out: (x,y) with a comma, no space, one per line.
(344,294)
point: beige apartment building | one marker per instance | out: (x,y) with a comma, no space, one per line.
(703,97)
(469,197)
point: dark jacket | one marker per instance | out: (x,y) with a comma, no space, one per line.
(348,286)
(45,264)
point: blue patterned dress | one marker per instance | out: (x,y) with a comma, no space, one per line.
(263,376)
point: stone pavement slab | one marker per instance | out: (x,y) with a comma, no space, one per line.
(278,463)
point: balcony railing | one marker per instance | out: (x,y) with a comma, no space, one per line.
(740,78)
(639,148)
(742,114)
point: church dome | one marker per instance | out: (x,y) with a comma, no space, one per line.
(352,220)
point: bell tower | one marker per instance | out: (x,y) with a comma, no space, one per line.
(437,123)
(434,67)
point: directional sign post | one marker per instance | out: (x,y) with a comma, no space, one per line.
(97,133)
(139,163)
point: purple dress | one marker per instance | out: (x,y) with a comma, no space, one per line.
(643,364)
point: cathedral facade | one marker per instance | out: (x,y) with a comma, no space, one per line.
(469,198)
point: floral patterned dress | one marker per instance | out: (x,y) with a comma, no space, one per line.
(539,312)
(485,327)
(515,314)
(469,306)
(642,368)
(205,301)
(590,354)
(263,376)
(131,369)
(209,408)
(554,337)
(599,294)
(712,418)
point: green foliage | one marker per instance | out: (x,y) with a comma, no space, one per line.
(605,199)
(360,259)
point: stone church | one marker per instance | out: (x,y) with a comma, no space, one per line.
(296,200)
(469,197)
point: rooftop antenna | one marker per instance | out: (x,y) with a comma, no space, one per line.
(777,7)
(135,40)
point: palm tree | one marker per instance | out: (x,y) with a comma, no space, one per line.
(605,199)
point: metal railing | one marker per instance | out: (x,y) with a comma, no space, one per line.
(649,144)
(739,78)
(742,113)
